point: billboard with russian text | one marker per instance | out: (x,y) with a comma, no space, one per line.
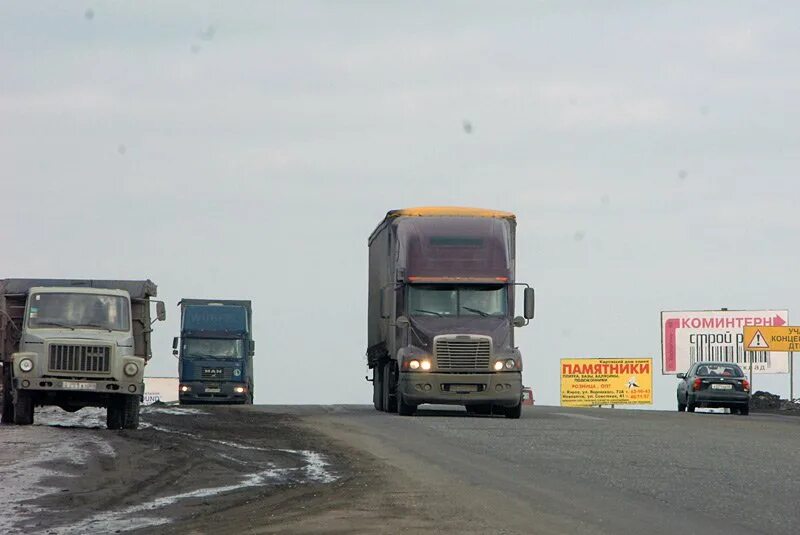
(586,382)
(717,335)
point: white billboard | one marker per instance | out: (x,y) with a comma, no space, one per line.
(717,335)
(164,389)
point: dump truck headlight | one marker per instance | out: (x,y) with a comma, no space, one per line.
(131,369)
(26,365)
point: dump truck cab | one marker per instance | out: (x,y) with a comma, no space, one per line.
(74,347)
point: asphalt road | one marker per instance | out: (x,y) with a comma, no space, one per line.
(561,470)
(351,469)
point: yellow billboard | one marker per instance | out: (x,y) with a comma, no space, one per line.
(768,338)
(586,382)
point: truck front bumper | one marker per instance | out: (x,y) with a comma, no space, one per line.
(84,386)
(201,392)
(504,389)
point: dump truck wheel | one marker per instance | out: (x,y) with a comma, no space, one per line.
(23,408)
(8,400)
(130,412)
(513,412)
(114,415)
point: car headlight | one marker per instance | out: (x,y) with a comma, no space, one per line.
(131,369)
(498,365)
(510,364)
(414,365)
(26,365)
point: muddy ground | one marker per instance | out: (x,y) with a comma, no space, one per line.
(200,470)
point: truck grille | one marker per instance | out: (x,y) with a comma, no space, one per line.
(78,358)
(463,354)
(220,374)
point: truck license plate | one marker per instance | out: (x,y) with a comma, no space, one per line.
(72,385)
(462,389)
(212,389)
(721,387)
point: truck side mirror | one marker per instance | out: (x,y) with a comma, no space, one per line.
(402,322)
(252,350)
(175,343)
(386,302)
(161,311)
(519,321)
(529,303)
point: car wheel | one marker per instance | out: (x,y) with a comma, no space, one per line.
(689,405)
(744,411)
(681,407)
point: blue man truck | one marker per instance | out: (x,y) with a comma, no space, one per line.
(215,351)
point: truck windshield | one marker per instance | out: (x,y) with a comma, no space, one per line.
(212,347)
(448,300)
(79,310)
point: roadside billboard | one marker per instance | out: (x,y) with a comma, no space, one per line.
(164,389)
(717,335)
(606,381)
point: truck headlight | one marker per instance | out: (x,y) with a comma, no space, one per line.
(238,389)
(414,365)
(510,364)
(26,365)
(498,365)
(419,364)
(425,365)
(185,388)
(131,369)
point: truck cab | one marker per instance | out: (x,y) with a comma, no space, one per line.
(75,347)
(441,311)
(215,352)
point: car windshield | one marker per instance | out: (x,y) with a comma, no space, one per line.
(450,300)
(212,347)
(79,310)
(719,370)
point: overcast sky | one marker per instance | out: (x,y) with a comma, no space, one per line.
(246,150)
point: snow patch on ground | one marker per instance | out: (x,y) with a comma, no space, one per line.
(177,411)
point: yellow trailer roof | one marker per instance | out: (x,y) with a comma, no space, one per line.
(449,211)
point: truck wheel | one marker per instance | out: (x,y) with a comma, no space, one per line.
(513,412)
(123,412)
(479,409)
(377,388)
(403,408)
(389,401)
(114,414)
(23,408)
(8,399)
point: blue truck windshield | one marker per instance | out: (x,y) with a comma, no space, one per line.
(214,318)
(449,300)
(212,347)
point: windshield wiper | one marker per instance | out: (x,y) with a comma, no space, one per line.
(55,323)
(431,312)
(95,325)
(475,310)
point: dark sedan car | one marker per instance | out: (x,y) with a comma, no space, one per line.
(714,384)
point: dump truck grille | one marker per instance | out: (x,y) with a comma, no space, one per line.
(462,354)
(79,358)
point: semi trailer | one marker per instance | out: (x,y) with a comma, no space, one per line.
(441,322)
(75,343)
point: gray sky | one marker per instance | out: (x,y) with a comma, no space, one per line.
(247,149)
